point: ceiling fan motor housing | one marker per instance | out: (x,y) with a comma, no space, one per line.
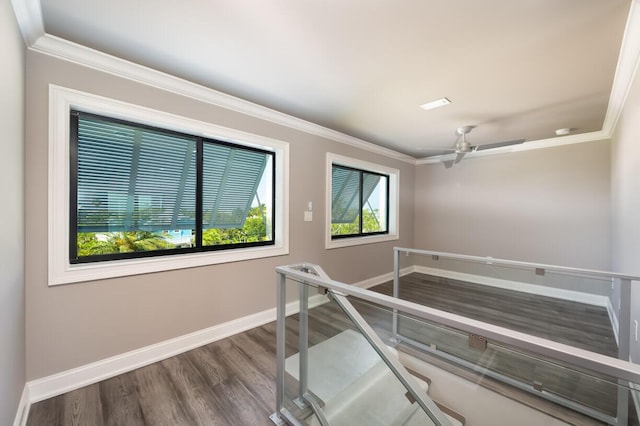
(463,130)
(463,145)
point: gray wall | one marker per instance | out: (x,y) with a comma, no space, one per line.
(72,325)
(625,200)
(546,206)
(12,348)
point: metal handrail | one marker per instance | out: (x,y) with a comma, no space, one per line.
(311,273)
(624,314)
(599,363)
(427,405)
(529,265)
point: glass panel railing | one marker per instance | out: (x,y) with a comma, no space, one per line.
(490,372)
(337,371)
(533,299)
(553,388)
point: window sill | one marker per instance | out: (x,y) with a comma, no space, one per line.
(122,268)
(393,202)
(60,271)
(356,241)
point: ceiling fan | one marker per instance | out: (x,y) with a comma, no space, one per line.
(462,146)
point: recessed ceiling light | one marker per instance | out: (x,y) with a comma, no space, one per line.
(563,132)
(435,104)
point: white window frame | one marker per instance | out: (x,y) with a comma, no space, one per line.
(61,101)
(394,204)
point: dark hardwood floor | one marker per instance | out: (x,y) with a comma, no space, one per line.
(577,324)
(229,382)
(568,322)
(232,381)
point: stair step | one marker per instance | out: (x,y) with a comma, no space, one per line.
(418,419)
(422,381)
(456,418)
(376,398)
(357,387)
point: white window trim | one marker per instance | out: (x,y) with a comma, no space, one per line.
(61,101)
(394,202)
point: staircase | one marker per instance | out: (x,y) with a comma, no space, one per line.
(334,368)
(353,385)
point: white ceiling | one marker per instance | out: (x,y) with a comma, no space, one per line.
(515,69)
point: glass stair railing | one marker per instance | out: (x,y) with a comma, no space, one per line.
(579,308)
(338,371)
(353,356)
(354,385)
(582,392)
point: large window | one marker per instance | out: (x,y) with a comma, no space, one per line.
(142,191)
(134,190)
(362,202)
(359,202)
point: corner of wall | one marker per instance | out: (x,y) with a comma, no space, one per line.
(12,299)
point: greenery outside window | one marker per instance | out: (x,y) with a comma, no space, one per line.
(359,202)
(362,202)
(140,191)
(181,130)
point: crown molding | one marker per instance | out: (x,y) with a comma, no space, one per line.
(85,56)
(29,17)
(626,70)
(528,146)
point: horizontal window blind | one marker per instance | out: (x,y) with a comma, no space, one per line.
(133,178)
(231,177)
(346,185)
(138,191)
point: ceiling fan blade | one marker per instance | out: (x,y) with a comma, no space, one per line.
(434,152)
(498,144)
(459,157)
(438,149)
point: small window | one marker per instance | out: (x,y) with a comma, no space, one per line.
(139,191)
(359,202)
(362,202)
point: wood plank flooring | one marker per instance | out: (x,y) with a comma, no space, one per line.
(577,324)
(229,382)
(567,322)
(232,381)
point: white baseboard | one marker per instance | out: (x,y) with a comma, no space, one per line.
(66,381)
(381,279)
(23,408)
(558,293)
